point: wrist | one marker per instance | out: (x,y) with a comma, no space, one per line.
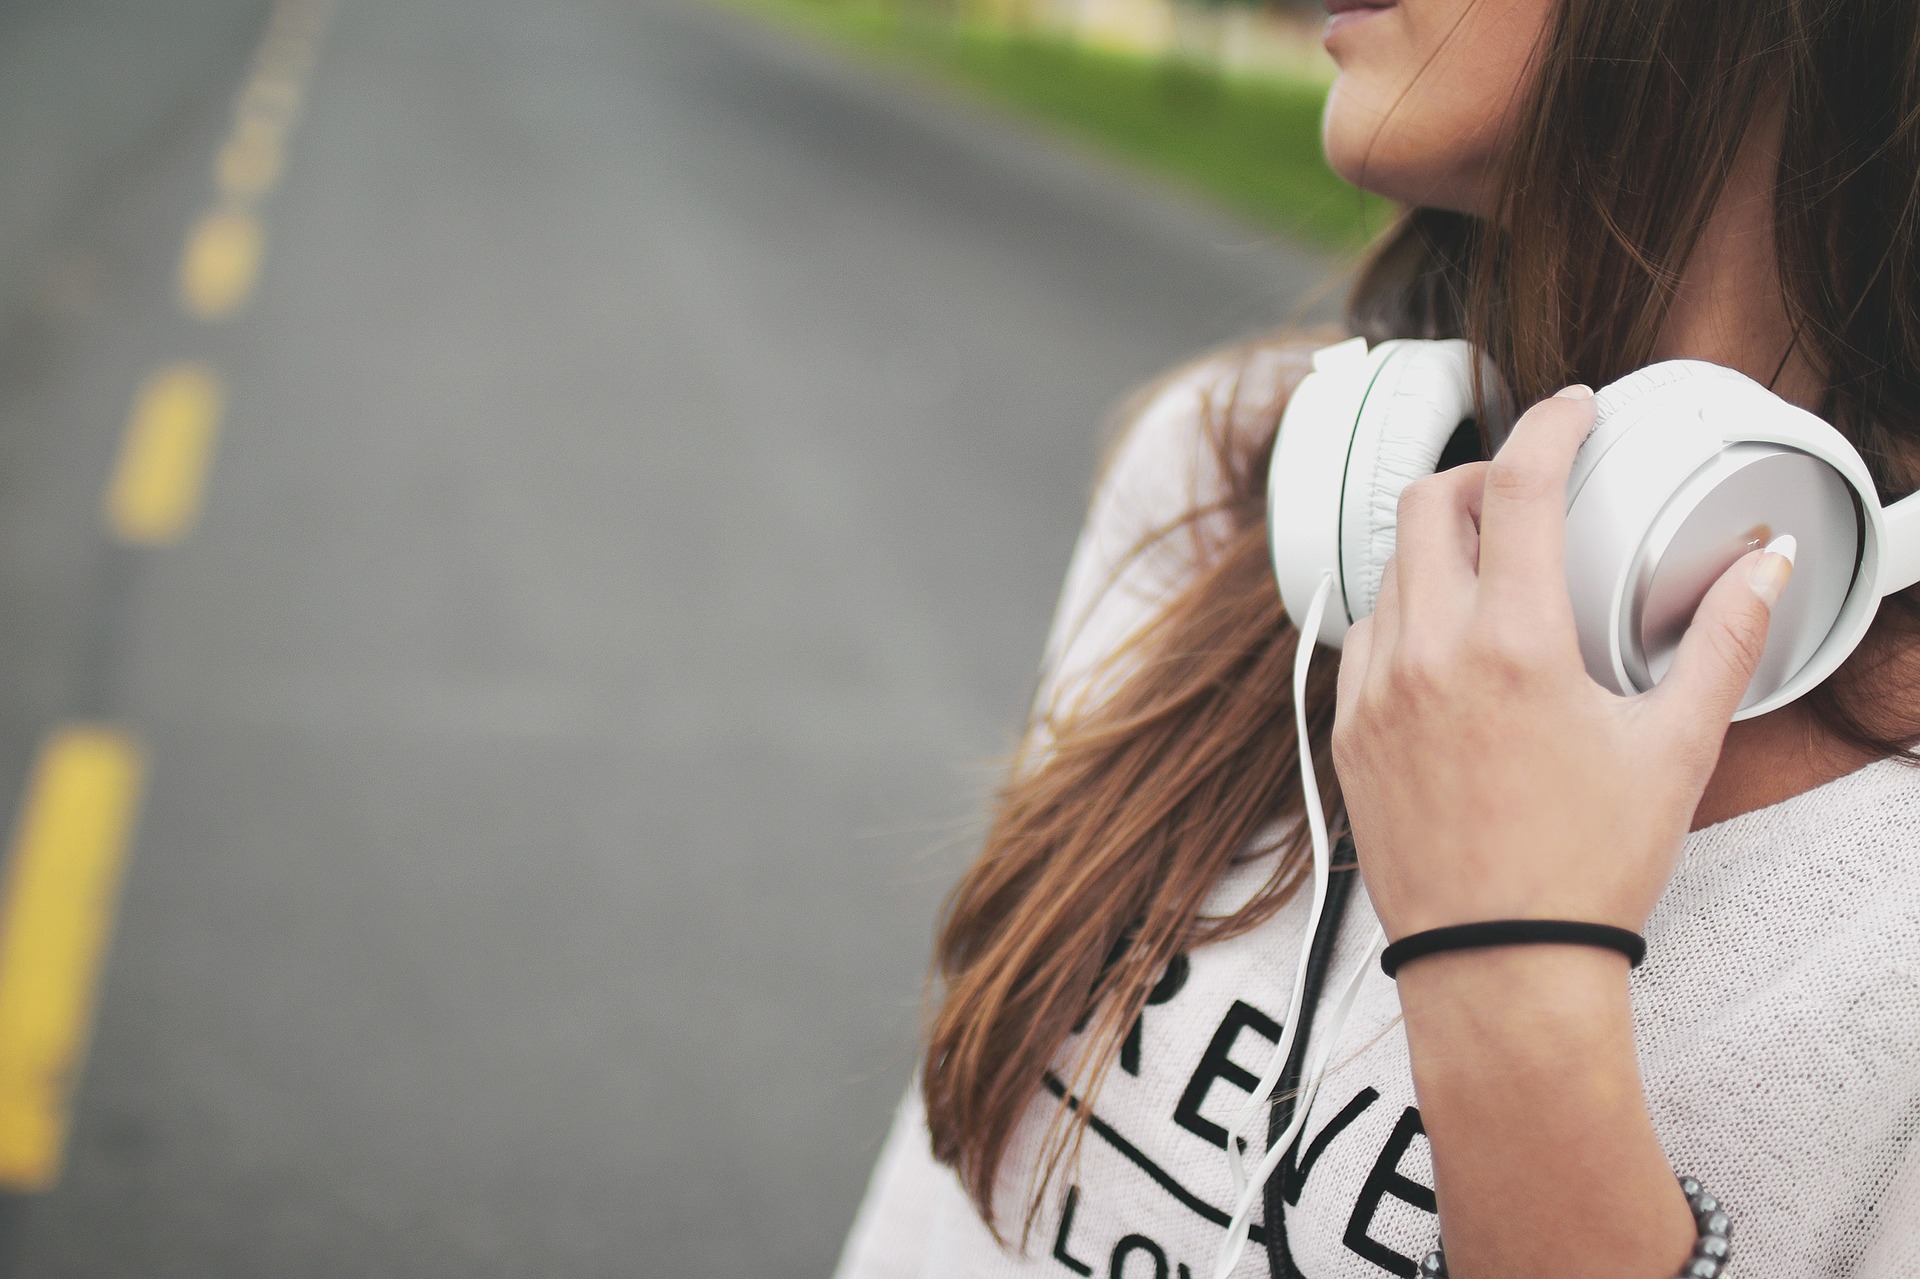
(1545,1158)
(1518,1009)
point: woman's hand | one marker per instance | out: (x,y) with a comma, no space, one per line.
(1486,776)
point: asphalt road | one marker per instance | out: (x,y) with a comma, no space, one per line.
(650,454)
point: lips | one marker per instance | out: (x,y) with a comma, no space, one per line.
(1342,14)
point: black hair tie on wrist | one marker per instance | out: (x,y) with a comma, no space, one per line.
(1513,932)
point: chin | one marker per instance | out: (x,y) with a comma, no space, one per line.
(1346,139)
(1385,155)
(1365,152)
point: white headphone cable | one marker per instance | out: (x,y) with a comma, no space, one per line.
(1247,1191)
(1322,863)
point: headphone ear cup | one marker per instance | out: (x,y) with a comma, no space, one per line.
(1420,398)
(1689,466)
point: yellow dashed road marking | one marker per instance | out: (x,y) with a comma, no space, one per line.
(69,847)
(221,261)
(76,820)
(155,494)
(250,161)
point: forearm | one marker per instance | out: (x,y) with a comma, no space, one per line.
(1545,1160)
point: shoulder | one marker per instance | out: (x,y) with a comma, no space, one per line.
(1181,465)
(1180,446)
(1179,426)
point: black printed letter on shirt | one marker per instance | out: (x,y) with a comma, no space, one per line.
(1171,983)
(1117,1267)
(1294,1179)
(1060,1253)
(1384,1180)
(1218,1063)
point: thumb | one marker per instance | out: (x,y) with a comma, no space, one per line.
(1723,645)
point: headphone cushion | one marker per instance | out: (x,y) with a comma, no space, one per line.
(1419,398)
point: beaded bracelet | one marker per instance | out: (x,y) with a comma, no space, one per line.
(1710,1250)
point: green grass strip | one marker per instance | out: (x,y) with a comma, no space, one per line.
(1253,144)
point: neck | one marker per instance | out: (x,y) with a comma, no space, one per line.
(1730,309)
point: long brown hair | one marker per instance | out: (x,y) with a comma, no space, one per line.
(1109,834)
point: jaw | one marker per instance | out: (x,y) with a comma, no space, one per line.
(1375,141)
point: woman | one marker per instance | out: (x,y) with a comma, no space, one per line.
(1593,185)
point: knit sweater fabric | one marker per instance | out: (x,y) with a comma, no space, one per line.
(1777,1018)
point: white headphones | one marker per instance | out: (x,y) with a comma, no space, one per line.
(1689,466)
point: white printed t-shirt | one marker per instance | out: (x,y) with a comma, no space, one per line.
(1777,1018)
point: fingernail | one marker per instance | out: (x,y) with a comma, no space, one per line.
(1775,566)
(1578,391)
